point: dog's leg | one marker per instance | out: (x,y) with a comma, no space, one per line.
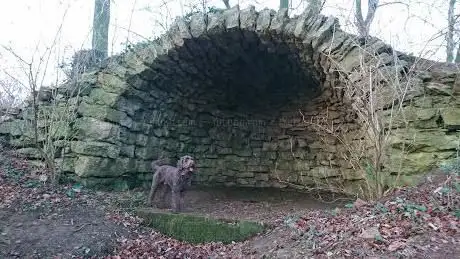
(163,195)
(175,199)
(181,200)
(153,189)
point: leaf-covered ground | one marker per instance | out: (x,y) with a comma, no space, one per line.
(37,221)
(418,222)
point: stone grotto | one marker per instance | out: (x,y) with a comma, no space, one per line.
(260,99)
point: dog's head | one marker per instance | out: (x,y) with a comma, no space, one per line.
(187,163)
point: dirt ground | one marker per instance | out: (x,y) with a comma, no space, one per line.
(40,222)
(68,221)
(263,205)
(75,231)
(79,228)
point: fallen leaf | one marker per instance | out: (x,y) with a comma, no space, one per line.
(370,233)
(359,203)
(395,245)
(433,226)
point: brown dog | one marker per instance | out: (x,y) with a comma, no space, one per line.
(177,178)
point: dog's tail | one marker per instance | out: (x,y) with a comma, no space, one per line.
(157,163)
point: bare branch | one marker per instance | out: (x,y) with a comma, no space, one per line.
(450,32)
(227,4)
(364,25)
(393,3)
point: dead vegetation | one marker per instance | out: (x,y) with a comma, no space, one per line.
(376,91)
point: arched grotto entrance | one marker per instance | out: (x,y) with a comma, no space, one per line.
(234,99)
(233,114)
(243,91)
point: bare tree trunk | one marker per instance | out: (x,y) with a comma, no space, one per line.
(227,4)
(101,20)
(316,5)
(362,24)
(284,4)
(457,58)
(450,32)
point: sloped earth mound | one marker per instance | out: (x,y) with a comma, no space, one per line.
(70,222)
(40,222)
(417,222)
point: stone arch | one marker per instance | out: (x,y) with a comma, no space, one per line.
(235,90)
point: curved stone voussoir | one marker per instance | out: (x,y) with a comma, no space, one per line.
(198,24)
(215,23)
(288,30)
(279,21)
(301,27)
(179,32)
(232,18)
(325,32)
(264,20)
(248,19)
(196,46)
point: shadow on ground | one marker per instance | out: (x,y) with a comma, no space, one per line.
(263,205)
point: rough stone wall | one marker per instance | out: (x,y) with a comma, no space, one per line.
(240,90)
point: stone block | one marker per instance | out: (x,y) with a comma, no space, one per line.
(451,118)
(89,166)
(127,150)
(105,113)
(161,132)
(15,127)
(254,162)
(100,97)
(246,182)
(245,175)
(143,166)
(66,164)
(438,89)
(148,152)
(283,165)
(93,148)
(262,177)
(325,172)
(300,165)
(217,178)
(263,184)
(127,137)
(257,168)
(286,144)
(412,140)
(30,152)
(201,149)
(142,140)
(270,146)
(141,127)
(224,150)
(414,163)
(112,83)
(90,128)
(353,174)
(207,163)
(130,105)
(286,156)
(227,172)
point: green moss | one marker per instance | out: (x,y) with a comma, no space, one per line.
(195,229)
